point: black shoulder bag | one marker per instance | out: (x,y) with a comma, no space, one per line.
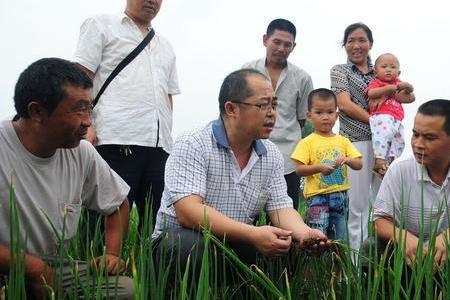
(124,63)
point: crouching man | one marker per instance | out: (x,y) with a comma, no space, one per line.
(54,173)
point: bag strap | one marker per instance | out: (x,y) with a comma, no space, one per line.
(124,63)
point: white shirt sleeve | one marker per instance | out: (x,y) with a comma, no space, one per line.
(90,45)
(173,86)
(103,190)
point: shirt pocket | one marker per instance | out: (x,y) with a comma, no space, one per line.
(70,217)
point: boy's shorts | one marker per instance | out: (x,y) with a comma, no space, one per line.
(328,213)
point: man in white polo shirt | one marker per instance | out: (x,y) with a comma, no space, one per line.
(419,184)
(133,118)
(292,86)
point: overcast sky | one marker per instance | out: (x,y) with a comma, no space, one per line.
(214,37)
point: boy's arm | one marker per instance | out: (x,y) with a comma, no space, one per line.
(385,229)
(384,91)
(404,93)
(306,170)
(354,163)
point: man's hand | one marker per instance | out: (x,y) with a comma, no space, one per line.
(113,265)
(440,250)
(271,241)
(326,169)
(411,249)
(313,241)
(40,279)
(91,136)
(310,233)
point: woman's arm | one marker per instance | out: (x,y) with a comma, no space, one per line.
(347,106)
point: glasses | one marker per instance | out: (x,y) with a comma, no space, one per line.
(262,107)
(82,110)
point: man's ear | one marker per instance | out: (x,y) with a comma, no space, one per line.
(308,115)
(265,39)
(230,108)
(36,111)
(399,72)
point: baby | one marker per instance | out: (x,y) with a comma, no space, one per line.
(385,95)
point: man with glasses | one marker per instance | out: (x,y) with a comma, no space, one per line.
(226,174)
(51,173)
(292,86)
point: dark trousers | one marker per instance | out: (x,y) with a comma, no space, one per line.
(142,168)
(293,187)
(175,246)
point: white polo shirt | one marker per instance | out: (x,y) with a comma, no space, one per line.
(134,109)
(292,90)
(400,194)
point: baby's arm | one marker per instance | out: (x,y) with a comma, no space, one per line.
(306,170)
(354,163)
(404,93)
(384,91)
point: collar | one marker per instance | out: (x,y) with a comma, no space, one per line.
(220,135)
(128,19)
(264,63)
(426,177)
(355,68)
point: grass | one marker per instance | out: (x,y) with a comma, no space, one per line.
(331,275)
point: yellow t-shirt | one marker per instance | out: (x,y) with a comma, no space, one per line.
(316,149)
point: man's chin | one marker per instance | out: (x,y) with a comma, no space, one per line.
(72,144)
(421,159)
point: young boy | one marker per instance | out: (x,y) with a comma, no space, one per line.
(386,93)
(322,157)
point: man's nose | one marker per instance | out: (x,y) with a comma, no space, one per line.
(418,143)
(86,121)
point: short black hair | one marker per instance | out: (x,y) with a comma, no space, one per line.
(282,25)
(321,94)
(437,107)
(352,27)
(235,87)
(44,81)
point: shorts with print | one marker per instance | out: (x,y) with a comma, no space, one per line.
(387,136)
(328,213)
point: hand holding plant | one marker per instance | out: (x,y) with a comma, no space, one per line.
(39,278)
(272,241)
(411,249)
(314,242)
(111,264)
(440,250)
